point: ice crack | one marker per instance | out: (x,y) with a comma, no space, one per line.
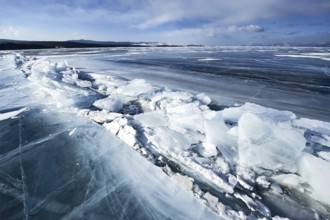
(25,192)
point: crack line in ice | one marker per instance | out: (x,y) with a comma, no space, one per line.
(10,179)
(125,206)
(25,192)
(44,201)
(92,201)
(11,187)
(23,148)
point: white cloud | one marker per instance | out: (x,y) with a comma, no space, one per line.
(247,28)
(11,31)
(224,12)
(162,19)
(252,28)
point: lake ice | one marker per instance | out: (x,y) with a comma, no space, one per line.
(70,125)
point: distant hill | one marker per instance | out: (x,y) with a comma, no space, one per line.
(6,44)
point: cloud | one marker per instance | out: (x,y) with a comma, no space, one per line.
(162,19)
(11,31)
(248,28)
(147,14)
(232,35)
(225,12)
(252,28)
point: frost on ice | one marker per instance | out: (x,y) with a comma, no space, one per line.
(221,156)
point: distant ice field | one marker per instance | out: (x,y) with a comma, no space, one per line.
(286,78)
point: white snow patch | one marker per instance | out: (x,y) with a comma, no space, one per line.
(207,150)
(72,131)
(216,133)
(12,114)
(135,88)
(290,180)
(152,119)
(322,56)
(262,181)
(184,181)
(170,140)
(254,205)
(315,125)
(203,99)
(325,155)
(235,113)
(113,103)
(211,200)
(209,59)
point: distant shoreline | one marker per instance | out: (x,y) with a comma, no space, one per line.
(6,44)
(27,45)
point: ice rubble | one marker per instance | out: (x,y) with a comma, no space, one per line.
(237,148)
(57,81)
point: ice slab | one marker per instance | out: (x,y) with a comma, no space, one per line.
(290,181)
(268,145)
(321,127)
(316,172)
(152,119)
(235,113)
(217,133)
(135,88)
(113,103)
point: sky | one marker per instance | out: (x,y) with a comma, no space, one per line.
(208,22)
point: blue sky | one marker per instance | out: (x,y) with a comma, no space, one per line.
(213,22)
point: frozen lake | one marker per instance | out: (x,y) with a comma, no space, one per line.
(165,133)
